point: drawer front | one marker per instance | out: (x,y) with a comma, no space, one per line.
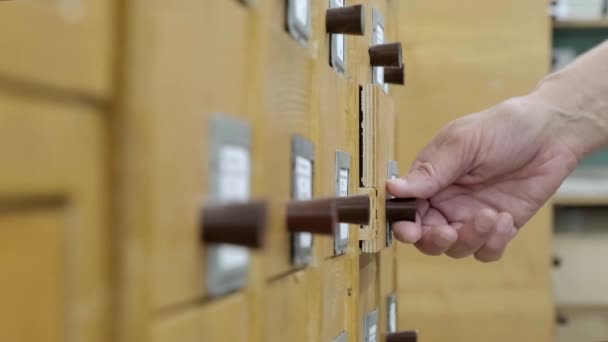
(582,324)
(59,43)
(53,238)
(222,320)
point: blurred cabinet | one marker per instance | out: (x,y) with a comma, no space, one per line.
(54,249)
(582,323)
(222,320)
(576,280)
(66,44)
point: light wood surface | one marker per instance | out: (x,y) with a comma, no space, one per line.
(166,115)
(291,308)
(460,58)
(34,275)
(368,290)
(61,44)
(201,322)
(286,111)
(386,286)
(336,297)
(55,240)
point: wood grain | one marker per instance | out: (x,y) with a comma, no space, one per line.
(63,44)
(53,190)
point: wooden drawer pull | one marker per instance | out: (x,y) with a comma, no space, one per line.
(346,20)
(394,75)
(386,55)
(402,336)
(314,216)
(242,224)
(401,209)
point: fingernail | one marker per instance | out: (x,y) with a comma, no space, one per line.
(398,181)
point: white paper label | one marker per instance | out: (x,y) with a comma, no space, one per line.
(372,334)
(343,191)
(379,34)
(379,75)
(392,317)
(301,8)
(305,239)
(234,173)
(230,257)
(343,183)
(339,46)
(303,174)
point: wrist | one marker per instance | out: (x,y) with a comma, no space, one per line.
(572,116)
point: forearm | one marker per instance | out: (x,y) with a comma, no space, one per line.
(577,99)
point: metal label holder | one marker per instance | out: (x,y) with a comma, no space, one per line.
(342,164)
(391,312)
(342,338)
(225,131)
(298,19)
(337,63)
(371,327)
(301,147)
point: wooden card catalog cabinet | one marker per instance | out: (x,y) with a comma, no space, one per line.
(287,149)
(190,138)
(291,308)
(224,320)
(60,44)
(367,318)
(54,243)
(338,305)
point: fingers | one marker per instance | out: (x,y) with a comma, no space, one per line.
(473,234)
(437,240)
(446,158)
(486,235)
(411,232)
(421,182)
(494,248)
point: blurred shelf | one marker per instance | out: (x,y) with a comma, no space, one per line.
(580,24)
(580,201)
(585,187)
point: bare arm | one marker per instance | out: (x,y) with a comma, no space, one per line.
(577,97)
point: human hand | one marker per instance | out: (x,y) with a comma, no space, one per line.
(482,178)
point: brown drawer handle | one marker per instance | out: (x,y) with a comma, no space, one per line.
(242,224)
(353,209)
(346,20)
(386,55)
(402,336)
(400,209)
(317,216)
(395,75)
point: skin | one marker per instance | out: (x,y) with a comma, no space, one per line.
(486,174)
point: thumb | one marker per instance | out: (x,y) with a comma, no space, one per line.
(435,169)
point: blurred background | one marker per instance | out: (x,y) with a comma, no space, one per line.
(579,207)
(108,127)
